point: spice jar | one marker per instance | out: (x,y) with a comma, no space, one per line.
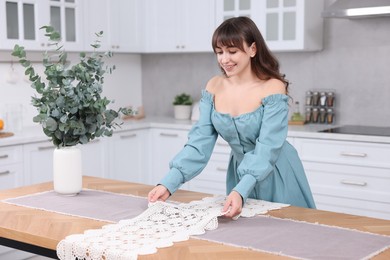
(316,98)
(322,115)
(322,99)
(309,98)
(315,114)
(308,114)
(329,116)
(330,99)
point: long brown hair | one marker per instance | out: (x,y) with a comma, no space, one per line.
(234,32)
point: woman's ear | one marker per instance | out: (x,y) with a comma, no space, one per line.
(253,49)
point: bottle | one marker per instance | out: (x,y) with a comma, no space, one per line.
(315,114)
(330,99)
(322,99)
(296,116)
(316,97)
(329,116)
(309,98)
(308,115)
(322,115)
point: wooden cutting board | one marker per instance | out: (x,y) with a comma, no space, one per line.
(6,134)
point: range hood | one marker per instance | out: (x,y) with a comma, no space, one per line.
(357,9)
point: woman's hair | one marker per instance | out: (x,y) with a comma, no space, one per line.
(237,30)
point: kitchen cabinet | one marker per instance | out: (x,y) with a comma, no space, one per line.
(179,25)
(11,167)
(286,25)
(348,176)
(165,144)
(38,162)
(120,21)
(23,18)
(127,156)
(94,156)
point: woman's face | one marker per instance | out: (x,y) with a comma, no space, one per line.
(233,60)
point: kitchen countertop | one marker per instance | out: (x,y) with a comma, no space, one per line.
(35,134)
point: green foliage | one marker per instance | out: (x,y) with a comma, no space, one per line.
(182,99)
(69,103)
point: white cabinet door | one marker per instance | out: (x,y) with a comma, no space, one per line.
(94,158)
(179,25)
(127,156)
(286,25)
(66,17)
(126,25)
(165,143)
(120,21)
(20,24)
(38,162)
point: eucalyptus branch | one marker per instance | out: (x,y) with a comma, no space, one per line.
(70,107)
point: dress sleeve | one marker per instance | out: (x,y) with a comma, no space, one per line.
(259,163)
(192,159)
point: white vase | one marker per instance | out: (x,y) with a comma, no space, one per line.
(67,170)
(182,111)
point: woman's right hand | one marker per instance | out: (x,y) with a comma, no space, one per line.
(159,192)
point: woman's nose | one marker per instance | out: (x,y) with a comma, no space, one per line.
(224,57)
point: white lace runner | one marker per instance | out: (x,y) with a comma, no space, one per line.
(159,226)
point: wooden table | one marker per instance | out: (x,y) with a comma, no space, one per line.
(40,231)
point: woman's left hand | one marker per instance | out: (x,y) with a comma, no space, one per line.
(233,204)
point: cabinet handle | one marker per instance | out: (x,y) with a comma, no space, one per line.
(5,156)
(128,136)
(169,135)
(42,148)
(221,169)
(352,154)
(5,172)
(352,182)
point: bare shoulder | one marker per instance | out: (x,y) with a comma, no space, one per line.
(213,83)
(275,86)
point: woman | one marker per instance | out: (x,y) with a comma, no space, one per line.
(248,107)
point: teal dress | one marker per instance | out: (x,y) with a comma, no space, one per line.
(263,165)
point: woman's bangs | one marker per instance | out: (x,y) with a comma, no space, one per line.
(227,38)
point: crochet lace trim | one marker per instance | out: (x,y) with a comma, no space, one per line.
(159,226)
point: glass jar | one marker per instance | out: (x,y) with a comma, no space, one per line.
(329,116)
(316,98)
(309,98)
(330,99)
(322,99)
(322,115)
(315,115)
(308,114)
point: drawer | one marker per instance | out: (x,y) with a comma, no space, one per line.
(342,152)
(10,176)
(356,182)
(11,154)
(353,206)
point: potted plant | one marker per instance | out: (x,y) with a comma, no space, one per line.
(70,107)
(182,106)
